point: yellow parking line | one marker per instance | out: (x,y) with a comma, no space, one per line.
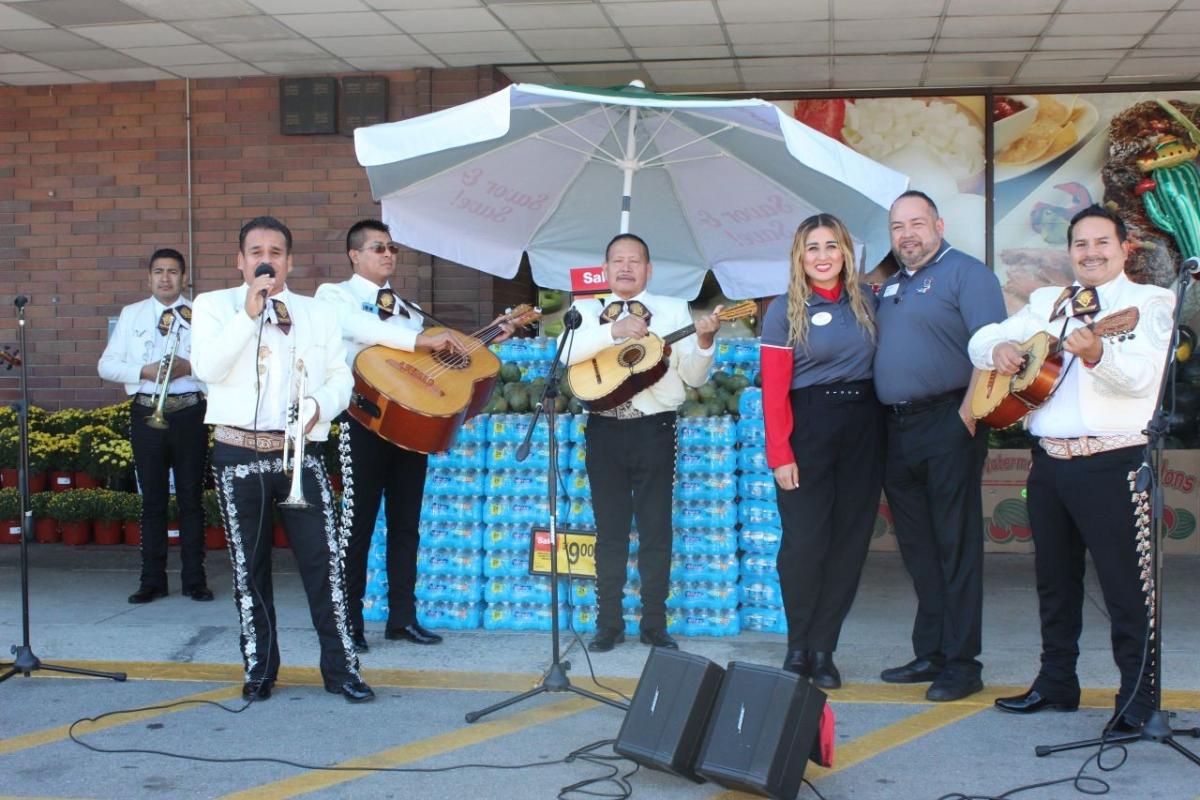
(882,740)
(51,735)
(415,751)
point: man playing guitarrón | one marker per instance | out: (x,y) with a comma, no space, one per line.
(630,453)
(1081,493)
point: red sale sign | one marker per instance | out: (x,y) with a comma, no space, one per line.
(589,280)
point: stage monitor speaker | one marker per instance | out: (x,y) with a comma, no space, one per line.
(762,731)
(665,723)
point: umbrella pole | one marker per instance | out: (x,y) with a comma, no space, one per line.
(627,170)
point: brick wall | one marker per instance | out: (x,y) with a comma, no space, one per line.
(93,178)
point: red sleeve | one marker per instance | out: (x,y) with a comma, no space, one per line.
(776,366)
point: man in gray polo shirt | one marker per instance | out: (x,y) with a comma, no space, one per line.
(927,313)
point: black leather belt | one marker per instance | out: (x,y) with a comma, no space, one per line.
(925,403)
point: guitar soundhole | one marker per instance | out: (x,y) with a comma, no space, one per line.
(631,356)
(452,360)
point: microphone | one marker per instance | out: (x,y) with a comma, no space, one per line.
(264,269)
(20,300)
(573,319)
(1192,267)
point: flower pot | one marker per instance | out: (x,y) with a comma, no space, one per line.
(280,535)
(107,531)
(9,477)
(62,481)
(10,531)
(173,534)
(133,533)
(37,482)
(214,537)
(85,481)
(77,532)
(45,531)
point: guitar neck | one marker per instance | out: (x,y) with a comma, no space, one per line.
(682,333)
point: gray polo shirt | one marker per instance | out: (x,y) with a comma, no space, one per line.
(838,349)
(925,321)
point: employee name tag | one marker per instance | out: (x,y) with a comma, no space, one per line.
(891,290)
(374,309)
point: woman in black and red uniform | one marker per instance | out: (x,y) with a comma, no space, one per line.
(825,439)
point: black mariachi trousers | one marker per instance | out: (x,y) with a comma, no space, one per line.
(631,469)
(248,484)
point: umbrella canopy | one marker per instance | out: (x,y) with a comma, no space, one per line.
(556,172)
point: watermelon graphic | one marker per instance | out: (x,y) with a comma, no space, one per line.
(1009,521)
(994,532)
(883,521)
(1180,522)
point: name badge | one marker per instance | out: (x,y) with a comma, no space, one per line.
(891,290)
(371,307)
(822,318)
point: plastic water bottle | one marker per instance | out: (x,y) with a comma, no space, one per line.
(449,616)
(759,514)
(763,619)
(759,565)
(375,607)
(751,432)
(583,619)
(753,459)
(505,536)
(711,622)
(449,588)
(750,402)
(705,541)
(757,486)
(760,540)
(502,563)
(760,591)
(436,533)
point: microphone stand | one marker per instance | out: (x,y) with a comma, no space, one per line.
(555,679)
(1149,478)
(24,661)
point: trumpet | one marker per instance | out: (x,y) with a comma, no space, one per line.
(293,439)
(162,382)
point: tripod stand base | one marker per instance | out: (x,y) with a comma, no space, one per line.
(556,680)
(25,662)
(1157,729)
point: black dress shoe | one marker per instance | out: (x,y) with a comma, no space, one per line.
(799,662)
(949,686)
(145,594)
(257,690)
(201,593)
(1125,723)
(412,633)
(1032,702)
(919,670)
(355,690)
(824,673)
(360,642)
(658,637)
(605,639)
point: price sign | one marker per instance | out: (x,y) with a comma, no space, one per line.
(576,553)
(588,280)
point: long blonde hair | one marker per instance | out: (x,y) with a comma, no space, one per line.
(799,289)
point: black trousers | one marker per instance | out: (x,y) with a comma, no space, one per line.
(1078,504)
(838,440)
(248,484)
(631,469)
(182,446)
(374,468)
(932,480)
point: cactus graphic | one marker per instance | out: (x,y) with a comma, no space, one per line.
(1171,192)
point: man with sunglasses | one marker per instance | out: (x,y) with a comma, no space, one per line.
(371,313)
(927,313)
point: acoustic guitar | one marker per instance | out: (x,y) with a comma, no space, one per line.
(420,400)
(1003,400)
(617,373)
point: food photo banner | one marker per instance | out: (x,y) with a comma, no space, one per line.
(1053,154)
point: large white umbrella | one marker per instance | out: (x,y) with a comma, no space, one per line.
(556,172)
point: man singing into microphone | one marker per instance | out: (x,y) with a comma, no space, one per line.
(251,343)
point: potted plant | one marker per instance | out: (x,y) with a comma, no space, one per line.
(45,524)
(74,509)
(132,507)
(109,516)
(112,462)
(40,447)
(10,515)
(333,461)
(214,526)
(10,456)
(63,458)
(90,473)
(173,521)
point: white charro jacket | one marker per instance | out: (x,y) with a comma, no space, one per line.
(224,357)
(1118,394)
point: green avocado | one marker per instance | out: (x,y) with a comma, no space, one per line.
(510,373)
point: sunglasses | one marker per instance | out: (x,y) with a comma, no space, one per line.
(379,247)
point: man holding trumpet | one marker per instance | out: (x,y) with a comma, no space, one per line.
(276,368)
(148,353)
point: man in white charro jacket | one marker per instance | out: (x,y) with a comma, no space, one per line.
(1090,441)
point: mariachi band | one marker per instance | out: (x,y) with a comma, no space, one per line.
(864,388)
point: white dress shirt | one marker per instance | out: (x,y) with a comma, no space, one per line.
(135,342)
(1117,394)
(227,359)
(354,303)
(688,363)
